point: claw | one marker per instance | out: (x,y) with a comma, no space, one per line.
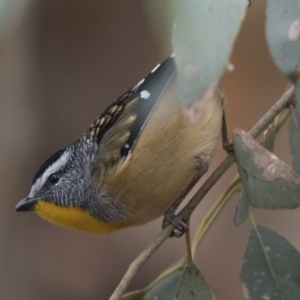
(180,225)
(228,147)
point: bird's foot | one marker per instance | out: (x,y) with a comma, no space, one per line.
(180,225)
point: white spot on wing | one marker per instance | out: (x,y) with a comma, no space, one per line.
(56,166)
(140,82)
(145,94)
(155,68)
(126,146)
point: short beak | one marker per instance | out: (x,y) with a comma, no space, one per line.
(26,204)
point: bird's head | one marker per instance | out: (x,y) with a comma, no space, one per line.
(62,192)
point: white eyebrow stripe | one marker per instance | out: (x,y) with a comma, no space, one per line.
(57,165)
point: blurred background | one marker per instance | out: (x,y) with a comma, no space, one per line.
(61,63)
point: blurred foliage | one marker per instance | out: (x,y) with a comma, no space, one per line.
(11,12)
(283,32)
(201,29)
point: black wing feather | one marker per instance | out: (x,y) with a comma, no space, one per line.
(148,92)
(153,85)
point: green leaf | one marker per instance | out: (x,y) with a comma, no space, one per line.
(268,182)
(203,36)
(179,284)
(283,35)
(294,137)
(193,285)
(164,289)
(244,205)
(242,210)
(271,267)
(10,12)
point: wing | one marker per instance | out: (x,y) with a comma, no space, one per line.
(118,128)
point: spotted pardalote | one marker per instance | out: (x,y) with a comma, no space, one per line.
(131,164)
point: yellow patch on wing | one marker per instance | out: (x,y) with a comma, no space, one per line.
(74,218)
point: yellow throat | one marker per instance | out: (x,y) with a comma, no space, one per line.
(74,218)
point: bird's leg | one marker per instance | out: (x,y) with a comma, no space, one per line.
(170,216)
(227,145)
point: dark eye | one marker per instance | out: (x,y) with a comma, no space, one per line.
(54,178)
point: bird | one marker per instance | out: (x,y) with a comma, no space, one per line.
(132,163)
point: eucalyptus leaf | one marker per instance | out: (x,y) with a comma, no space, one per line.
(242,210)
(164,289)
(283,35)
(180,284)
(271,267)
(244,205)
(268,182)
(203,36)
(11,12)
(193,285)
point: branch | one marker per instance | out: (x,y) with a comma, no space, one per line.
(186,212)
(280,105)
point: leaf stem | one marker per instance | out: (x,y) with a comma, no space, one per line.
(188,246)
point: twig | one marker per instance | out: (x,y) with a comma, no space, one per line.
(139,261)
(188,246)
(280,105)
(186,212)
